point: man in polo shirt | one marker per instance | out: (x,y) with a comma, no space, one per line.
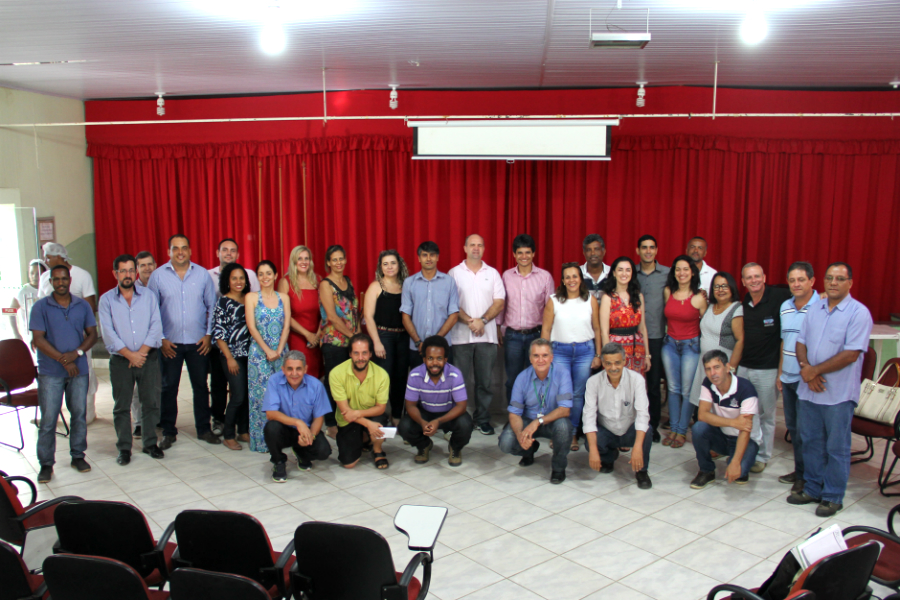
(429,303)
(436,400)
(728,404)
(831,346)
(594,269)
(481,298)
(616,415)
(540,405)
(361,390)
(63,329)
(652,277)
(132,332)
(696,249)
(762,352)
(295,407)
(801,279)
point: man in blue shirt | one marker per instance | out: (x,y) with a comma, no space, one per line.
(187,302)
(132,332)
(830,348)
(63,328)
(436,399)
(539,407)
(295,406)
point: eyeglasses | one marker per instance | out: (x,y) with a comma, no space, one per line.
(126,271)
(830,278)
(723,286)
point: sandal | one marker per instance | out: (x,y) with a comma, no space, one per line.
(381,461)
(667,441)
(232,445)
(624,450)
(678,443)
(574,446)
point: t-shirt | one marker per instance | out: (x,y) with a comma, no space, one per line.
(361,395)
(436,397)
(64,329)
(762,329)
(741,399)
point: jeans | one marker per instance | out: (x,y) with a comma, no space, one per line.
(654,377)
(460,429)
(125,379)
(792,418)
(218,383)
(608,444)
(560,431)
(198,367)
(706,437)
(396,363)
(50,397)
(332,356)
(278,436)
(575,358)
(826,449)
(476,362)
(763,427)
(239,403)
(516,347)
(680,358)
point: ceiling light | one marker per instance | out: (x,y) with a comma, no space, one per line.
(272,38)
(392,101)
(895,84)
(608,39)
(160,104)
(641,102)
(754,27)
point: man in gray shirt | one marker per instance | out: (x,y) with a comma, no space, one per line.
(652,277)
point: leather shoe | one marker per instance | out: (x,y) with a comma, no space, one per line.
(124,458)
(210,438)
(528,459)
(168,441)
(643,480)
(154,451)
(802,498)
(656,437)
(557,477)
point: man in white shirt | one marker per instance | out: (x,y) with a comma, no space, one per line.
(475,336)
(24,300)
(696,249)
(594,269)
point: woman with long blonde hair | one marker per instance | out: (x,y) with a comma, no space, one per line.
(301,284)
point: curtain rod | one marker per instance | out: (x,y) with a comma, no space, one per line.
(890,115)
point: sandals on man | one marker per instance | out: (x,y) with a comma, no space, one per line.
(679,440)
(667,441)
(381,461)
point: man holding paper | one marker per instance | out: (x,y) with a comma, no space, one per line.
(296,406)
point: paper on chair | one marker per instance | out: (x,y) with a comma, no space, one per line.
(825,543)
(388,432)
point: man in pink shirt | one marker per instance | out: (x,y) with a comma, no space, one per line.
(475,336)
(527,289)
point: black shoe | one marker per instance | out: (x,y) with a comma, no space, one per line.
(304,465)
(789,478)
(154,451)
(484,428)
(828,509)
(798,486)
(703,479)
(802,498)
(168,441)
(124,458)
(643,480)
(279,472)
(656,437)
(557,477)
(742,480)
(137,432)
(528,459)
(45,475)
(81,465)
(210,438)
(606,469)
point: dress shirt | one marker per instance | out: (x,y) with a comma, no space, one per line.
(706,276)
(81,286)
(429,303)
(186,305)
(526,296)
(307,403)
(595,286)
(360,395)
(254,281)
(436,397)
(616,408)
(130,326)
(477,292)
(825,334)
(652,286)
(791,320)
(64,329)
(556,390)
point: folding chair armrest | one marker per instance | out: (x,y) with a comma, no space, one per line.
(6,389)
(424,559)
(873,530)
(285,556)
(39,592)
(30,483)
(164,539)
(43,505)
(741,592)
(277,570)
(156,559)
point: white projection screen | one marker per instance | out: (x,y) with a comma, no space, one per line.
(552,139)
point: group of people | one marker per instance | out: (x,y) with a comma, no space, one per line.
(291,358)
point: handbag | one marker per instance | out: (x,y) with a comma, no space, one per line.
(879,402)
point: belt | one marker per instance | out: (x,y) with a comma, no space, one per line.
(623,330)
(391,329)
(525,331)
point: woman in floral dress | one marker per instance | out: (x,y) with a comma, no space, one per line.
(621,314)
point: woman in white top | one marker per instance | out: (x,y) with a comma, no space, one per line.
(572,324)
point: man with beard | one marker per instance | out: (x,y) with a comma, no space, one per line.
(132,332)
(361,390)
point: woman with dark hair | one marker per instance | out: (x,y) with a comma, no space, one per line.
(384,322)
(340,319)
(268,315)
(621,317)
(233,340)
(684,307)
(572,324)
(301,284)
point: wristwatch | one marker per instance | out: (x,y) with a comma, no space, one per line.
(79,352)
(483,320)
(541,420)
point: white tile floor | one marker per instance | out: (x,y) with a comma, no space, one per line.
(509,533)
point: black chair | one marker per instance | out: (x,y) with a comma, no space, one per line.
(17,520)
(325,549)
(841,576)
(195,584)
(741,592)
(18,582)
(232,542)
(115,530)
(75,577)
(887,568)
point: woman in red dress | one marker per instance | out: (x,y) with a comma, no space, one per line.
(301,285)
(621,314)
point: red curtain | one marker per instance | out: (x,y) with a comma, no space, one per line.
(766,201)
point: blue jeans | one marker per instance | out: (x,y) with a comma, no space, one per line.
(575,358)
(826,449)
(516,347)
(50,398)
(791,418)
(706,437)
(680,358)
(198,368)
(560,431)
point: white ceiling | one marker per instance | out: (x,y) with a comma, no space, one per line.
(136,48)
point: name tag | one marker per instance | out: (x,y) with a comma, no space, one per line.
(769,322)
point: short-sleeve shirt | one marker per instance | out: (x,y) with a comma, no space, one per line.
(477,292)
(64,329)
(81,286)
(307,403)
(762,329)
(555,389)
(741,399)
(791,320)
(826,333)
(707,273)
(360,395)
(436,397)
(652,286)
(429,303)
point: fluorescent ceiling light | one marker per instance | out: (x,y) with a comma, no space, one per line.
(290,11)
(608,39)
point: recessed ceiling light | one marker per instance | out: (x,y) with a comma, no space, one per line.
(272,38)
(754,27)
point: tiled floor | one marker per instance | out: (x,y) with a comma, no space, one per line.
(509,533)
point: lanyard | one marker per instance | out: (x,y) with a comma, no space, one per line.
(541,397)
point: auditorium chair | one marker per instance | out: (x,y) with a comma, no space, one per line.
(887,568)
(843,575)
(17,520)
(871,430)
(196,584)
(18,582)
(77,577)
(742,593)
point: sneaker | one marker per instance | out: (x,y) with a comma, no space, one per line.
(210,438)
(758,467)
(828,509)
(742,480)
(606,469)
(789,478)
(303,465)
(484,428)
(557,477)
(703,479)
(218,427)
(448,435)
(137,432)
(528,459)
(81,465)
(455,457)
(802,498)
(45,475)
(798,486)
(279,472)
(643,480)
(167,442)
(424,454)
